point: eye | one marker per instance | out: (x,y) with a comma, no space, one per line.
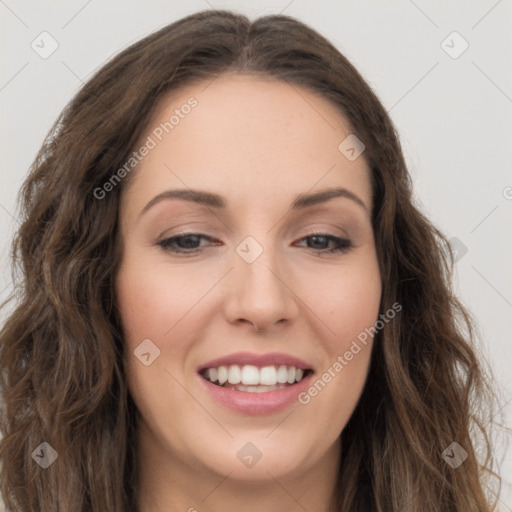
(186,243)
(189,243)
(342,244)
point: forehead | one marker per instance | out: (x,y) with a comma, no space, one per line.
(252,139)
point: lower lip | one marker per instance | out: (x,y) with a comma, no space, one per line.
(256,403)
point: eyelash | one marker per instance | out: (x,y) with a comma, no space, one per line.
(344,245)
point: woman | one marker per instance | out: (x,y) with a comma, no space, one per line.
(308,355)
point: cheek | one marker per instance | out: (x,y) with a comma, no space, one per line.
(348,303)
(153,303)
(357,306)
(347,299)
(153,299)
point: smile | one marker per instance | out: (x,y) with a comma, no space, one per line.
(251,379)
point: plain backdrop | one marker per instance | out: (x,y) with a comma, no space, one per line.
(452,109)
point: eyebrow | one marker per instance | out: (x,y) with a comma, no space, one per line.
(216,201)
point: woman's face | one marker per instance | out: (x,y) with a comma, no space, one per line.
(252,281)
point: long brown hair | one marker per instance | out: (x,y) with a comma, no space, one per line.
(61,349)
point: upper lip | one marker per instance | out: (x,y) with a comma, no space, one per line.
(260,360)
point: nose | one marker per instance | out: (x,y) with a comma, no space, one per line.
(261,293)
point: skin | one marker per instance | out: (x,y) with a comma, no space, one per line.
(260,144)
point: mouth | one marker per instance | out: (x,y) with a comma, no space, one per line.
(255,379)
(255,384)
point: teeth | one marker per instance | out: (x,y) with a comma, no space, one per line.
(213,374)
(250,375)
(282,374)
(223,374)
(256,389)
(234,374)
(267,376)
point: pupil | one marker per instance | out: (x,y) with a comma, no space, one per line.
(182,242)
(315,238)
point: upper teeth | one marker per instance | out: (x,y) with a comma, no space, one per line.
(252,375)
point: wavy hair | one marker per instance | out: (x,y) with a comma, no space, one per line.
(61,348)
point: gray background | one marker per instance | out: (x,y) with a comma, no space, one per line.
(453,116)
